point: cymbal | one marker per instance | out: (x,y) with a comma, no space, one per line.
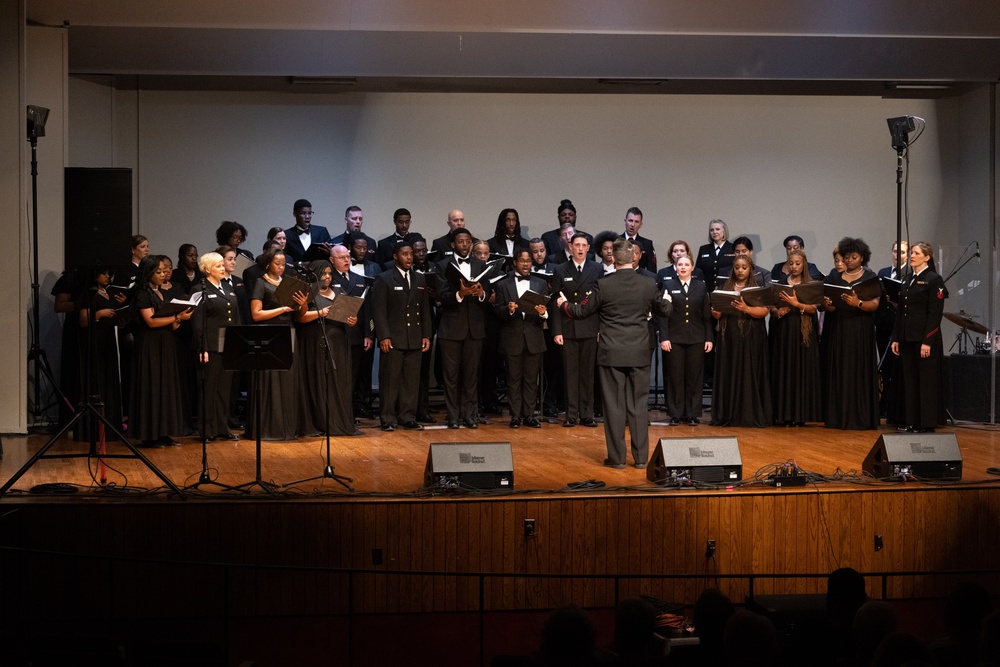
(962,320)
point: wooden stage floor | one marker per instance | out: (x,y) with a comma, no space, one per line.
(545,460)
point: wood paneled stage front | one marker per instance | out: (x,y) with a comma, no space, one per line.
(317,550)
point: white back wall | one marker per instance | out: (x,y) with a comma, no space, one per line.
(821,167)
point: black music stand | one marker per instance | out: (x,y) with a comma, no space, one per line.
(255,349)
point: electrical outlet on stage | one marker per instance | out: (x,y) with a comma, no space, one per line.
(529,528)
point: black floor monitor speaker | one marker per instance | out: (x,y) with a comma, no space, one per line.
(923,455)
(464,465)
(710,460)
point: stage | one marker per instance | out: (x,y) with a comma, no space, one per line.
(317,553)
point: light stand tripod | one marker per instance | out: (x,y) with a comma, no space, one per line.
(94,408)
(328,471)
(36,128)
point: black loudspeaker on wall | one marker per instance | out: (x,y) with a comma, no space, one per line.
(98,217)
(922,455)
(469,465)
(708,460)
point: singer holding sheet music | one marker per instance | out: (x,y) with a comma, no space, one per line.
(852,362)
(741,393)
(156,412)
(916,339)
(217,309)
(522,340)
(277,388)
(323,378)
(794,337)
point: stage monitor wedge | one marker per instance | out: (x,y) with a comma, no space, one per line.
(708,460)
(920,455)
(453,466)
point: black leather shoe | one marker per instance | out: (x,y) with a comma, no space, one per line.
(532,422)
(226,436)
(640,466)
(411,426)
(426,419)
(694,421)
(470,423)
(168,441)
(388,428)
(452,424)
(904,429)
(616,466)
(515,422)
(570,421)
(589,421)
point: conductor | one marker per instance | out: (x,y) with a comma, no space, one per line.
(624,302)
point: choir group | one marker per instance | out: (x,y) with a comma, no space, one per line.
(787,346)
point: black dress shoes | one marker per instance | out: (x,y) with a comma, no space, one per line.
(426,419)
(570,421)
(452,424)
(470,423)
(411,426)
(226,436)
(515,422)
(616,466)
(388,428)
(168,441)
(532,422)
(640,466)
(589,421)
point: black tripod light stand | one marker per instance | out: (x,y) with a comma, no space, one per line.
(36,128)
(93,408)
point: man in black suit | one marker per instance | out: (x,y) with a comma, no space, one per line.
(442,245)
(354,217)
(623,301)
(361,264)
(461,330)
(553,242)
(427,269)
(575,280)
(633,223)
(387,246)
(552,361)
(301,236)
(401,311)
(743,246)
(521,339)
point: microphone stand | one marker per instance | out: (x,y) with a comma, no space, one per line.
(328,471)
(205,479)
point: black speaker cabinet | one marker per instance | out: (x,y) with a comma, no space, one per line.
(710,460)
(98,217)
(923,455)
(464,465)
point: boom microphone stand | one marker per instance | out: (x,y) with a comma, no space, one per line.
(328,471)
(205,479)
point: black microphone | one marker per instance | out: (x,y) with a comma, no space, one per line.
(978,257)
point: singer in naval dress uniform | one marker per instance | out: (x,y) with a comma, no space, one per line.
(916,339)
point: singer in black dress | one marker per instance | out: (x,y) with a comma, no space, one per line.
(277,388)
(852,361)
(741,393)
(794,337)
(916,339)
(216,311)
(323,379)
(99,347)
(156,411)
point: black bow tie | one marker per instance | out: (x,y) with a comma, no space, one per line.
(301,230)
(520,277)
(463,260)
(355,262)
